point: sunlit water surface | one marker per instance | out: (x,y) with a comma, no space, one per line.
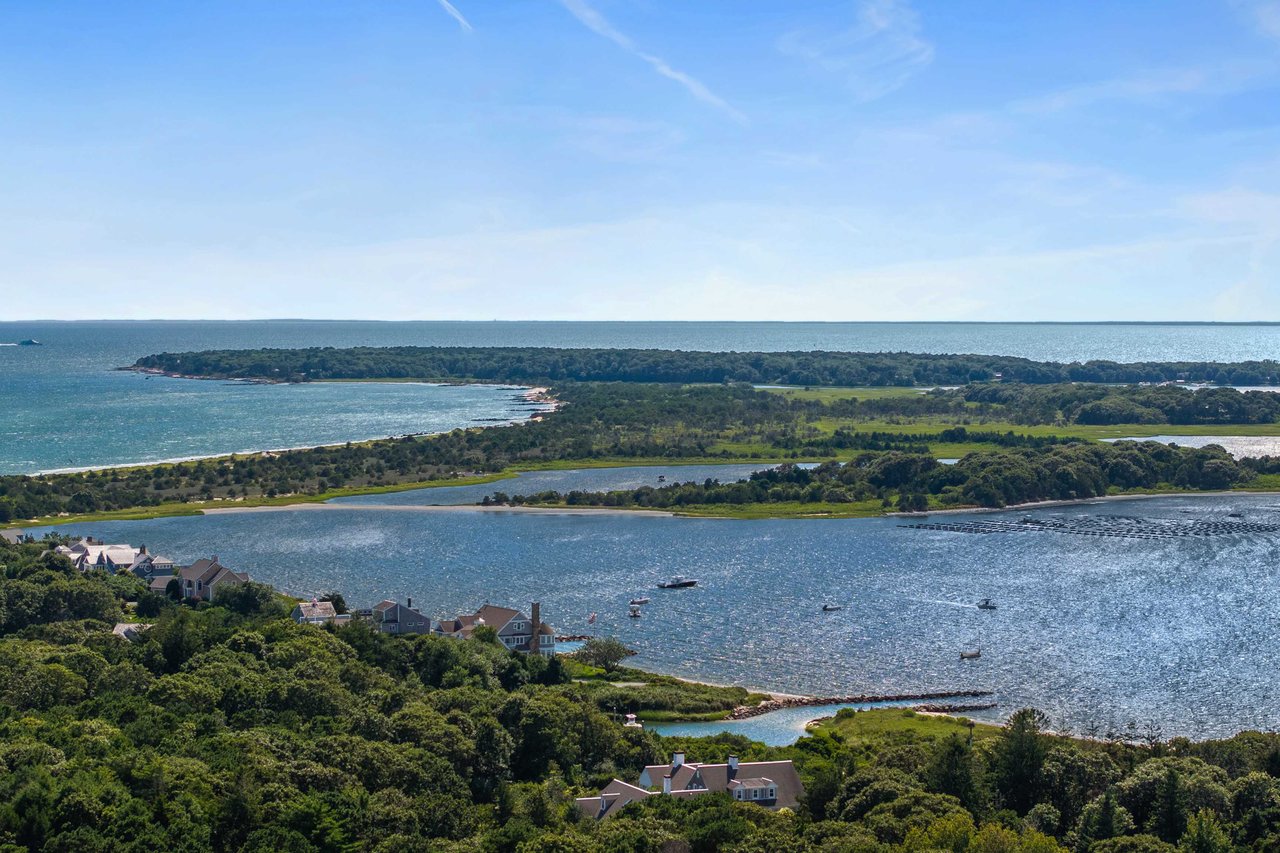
(1178,632)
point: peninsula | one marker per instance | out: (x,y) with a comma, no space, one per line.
(878,446)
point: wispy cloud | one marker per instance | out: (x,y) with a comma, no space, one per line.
(1265,15)
(598,24)
(1152,85)
(456,15)
(878,54)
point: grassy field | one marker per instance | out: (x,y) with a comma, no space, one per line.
(657,698)
(888,726)
(827,395)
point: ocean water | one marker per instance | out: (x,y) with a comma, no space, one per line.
(1178,632)
(126,340)
(63,405)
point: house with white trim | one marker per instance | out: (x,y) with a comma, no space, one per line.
(201,579)
(769,784)
(317,612)
(515,630)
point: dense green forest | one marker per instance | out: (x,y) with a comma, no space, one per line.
(544,364)
(1100,404)
(227,727)
(1055,472)
(639,421)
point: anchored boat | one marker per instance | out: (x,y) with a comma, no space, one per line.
(644,599)
(828,608)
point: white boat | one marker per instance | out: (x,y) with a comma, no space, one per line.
(635,611)
(644,599)
(678,582)
(972,654)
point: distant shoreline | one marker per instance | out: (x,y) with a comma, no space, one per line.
(530,394)
(604,510)
(1084,501)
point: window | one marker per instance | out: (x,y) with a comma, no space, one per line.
(755,793)
(773,794)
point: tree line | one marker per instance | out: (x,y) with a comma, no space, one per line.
(914,481)
(547,364)
(227,727)
(1101,404)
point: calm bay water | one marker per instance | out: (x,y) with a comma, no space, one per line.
(63,406)
(1239,446)
(1179,632)
(532,482)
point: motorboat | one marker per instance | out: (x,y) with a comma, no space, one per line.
(828,608)
(644,599)
(30,342)
(634,613)
(662,478)
(986,604)
(678,582)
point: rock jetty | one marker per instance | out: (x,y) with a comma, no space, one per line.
(743,712)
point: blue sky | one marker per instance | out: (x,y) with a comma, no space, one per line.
(641,159)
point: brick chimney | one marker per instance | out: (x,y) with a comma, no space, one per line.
(666,784)
(536,614)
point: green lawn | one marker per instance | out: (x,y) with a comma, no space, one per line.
(896,725)
(827,395)
(653,697)
(934,424)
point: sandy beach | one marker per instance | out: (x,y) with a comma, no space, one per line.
(556,510)
(230,510)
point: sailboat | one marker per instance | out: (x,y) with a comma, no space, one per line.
(973,653)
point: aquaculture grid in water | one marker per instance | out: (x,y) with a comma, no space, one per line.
(1117,526)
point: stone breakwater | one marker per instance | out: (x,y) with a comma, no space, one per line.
(952,707)
(743,712)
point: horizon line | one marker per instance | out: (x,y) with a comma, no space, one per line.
(666,321)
